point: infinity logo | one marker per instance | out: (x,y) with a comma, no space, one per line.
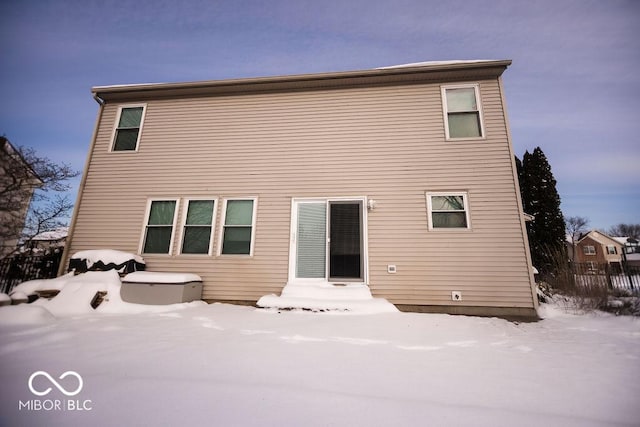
(55,383)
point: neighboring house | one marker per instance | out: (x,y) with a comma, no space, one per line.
(18,181)
(49,240)
(597,249)
(631,248)
(401,179)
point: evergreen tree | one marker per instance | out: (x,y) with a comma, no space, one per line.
(540,198)
(520,177)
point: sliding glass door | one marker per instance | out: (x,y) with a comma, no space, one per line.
(327,242)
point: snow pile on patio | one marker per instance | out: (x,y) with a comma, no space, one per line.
(106,259)
(75,298)
(353,298)
(107,256)
(31,287)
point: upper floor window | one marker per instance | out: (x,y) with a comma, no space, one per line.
(589,250)
(612,250)
(159,227)
(198,226)
(238,226)
(462,112)
(127,133)
(448,210)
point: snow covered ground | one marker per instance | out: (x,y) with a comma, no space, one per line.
(197,364)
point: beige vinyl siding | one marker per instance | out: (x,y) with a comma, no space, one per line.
(386,143)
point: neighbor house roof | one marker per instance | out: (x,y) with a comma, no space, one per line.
(398,74)
(599,237)
(57,234)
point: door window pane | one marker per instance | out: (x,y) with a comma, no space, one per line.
(311,240)
(345,243)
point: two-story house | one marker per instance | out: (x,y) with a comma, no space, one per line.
(401,180)
(596,249)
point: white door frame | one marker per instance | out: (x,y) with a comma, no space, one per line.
(293,242)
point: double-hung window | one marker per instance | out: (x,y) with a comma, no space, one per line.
(127,133)
(197,231)
(238,227)
(462,112)
(159,227)
(612,250)
(589,250)
(448,210)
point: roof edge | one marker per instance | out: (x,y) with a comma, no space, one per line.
(301,79)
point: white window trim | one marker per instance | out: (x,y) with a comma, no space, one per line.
(115,127)
(146,223)
(183,224)
(589,252)
(445,109)
(223,219)
(465,199)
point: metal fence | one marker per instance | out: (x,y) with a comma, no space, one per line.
(20,268)
(611,276)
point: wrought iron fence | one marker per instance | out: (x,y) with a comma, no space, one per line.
(613,276)
(20,268)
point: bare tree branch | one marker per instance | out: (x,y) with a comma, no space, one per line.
(29,180)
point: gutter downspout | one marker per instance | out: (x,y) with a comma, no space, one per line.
(83,181)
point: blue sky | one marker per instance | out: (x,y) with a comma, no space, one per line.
(573,88)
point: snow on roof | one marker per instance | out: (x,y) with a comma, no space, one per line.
(621,240)
(57,234)
(100,91)
(436,63)
(599,237)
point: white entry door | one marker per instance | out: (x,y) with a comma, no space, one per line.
(328,241)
